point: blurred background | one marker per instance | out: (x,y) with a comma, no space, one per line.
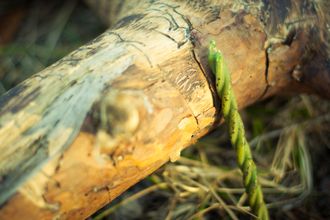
(35,34)
(290,136)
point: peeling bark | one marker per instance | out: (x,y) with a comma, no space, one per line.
(83,130)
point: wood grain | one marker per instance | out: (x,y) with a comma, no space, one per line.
(79,133)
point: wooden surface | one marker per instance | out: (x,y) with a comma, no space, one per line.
(79,133)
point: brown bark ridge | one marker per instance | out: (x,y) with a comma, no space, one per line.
(77,134)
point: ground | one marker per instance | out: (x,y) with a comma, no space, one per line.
(289,135)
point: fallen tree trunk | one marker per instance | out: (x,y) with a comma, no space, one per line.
(79,133)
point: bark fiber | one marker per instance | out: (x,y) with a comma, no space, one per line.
(79,133)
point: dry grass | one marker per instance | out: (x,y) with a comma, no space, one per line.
(289,137)
(206,184)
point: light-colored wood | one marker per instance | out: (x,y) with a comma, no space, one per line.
(79,133)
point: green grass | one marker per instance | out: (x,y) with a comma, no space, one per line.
(289,137)
(206,183)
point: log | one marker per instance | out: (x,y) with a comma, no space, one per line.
(79,133)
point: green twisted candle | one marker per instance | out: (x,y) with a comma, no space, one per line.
(237,132)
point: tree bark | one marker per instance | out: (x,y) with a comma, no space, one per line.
(80,132)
